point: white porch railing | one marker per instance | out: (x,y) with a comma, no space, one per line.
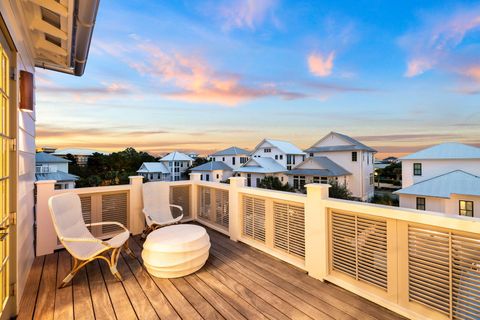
(419,264)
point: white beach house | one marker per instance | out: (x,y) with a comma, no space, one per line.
(177,163)
(48,167)
(270,158)
(155,171)
(351,155)
(234,157)
(443,178)
(216,171)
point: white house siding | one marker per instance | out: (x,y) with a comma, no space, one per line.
(359,182)
(228,160)
(25,162)
(433,168)
(182,166)
(449,206)
(277,155)
(255,176)
(216,175)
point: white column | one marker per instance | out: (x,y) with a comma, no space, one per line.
(316,231)
(46,234)
(194,177)
(234,207)
(137,218)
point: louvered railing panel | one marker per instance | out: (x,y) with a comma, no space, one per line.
(205,203)
(444,271)
(359,248)
(114,208)
(221,207)
(180,196)
(213,206)
(254,218)
(289,228)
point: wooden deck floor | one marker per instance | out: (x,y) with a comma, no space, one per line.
(237,282)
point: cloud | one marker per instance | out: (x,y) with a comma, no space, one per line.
(336,88)
(320,65)
(87,94)
(409,137)
(247,14)
(433,42)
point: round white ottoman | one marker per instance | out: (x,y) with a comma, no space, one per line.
(176,251)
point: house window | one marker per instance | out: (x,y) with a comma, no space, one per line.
(299,182)
(311,154)
(371,179)
(177,169)
(267,150)
(243,159)
(417,169)
(276,157)
(465,208)
(207,177)
(281,157)
(218,176)
(368,158)
(354,156)
(249,180)
(316,179)
(233,160)
(421,203)
(324,180)
(223,159)
(289,167)
(258,181)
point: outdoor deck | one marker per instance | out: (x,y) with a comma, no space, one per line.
(237,282)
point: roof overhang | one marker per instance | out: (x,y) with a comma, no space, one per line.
(59,32)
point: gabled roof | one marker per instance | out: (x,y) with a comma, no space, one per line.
(449,150)
(59,176)
(153,167)
(261,165)
(352,144)
(284,146)
(212,165)
(443,186)
(42,157)
(77,152)
(176,156)
(325,168)
(232,151)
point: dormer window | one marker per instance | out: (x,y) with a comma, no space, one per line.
(267,150)
(417,169)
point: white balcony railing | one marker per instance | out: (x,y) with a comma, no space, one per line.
(419,264)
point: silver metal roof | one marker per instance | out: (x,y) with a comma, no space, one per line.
(43,157)
(450,150)
(261,165)
(232,151)
(212,165)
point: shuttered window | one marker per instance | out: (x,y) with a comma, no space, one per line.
(289,228)
(359,248)
(254,218)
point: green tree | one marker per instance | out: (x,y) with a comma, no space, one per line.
(273,183)
(339,191)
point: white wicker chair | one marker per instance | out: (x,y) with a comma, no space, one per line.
(66,212)
(157,207)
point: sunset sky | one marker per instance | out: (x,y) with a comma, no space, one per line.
(205,75)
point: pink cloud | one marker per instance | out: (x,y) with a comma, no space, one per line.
(247,14)
(432,43)
(321,65)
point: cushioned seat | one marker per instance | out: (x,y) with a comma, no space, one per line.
(176,251)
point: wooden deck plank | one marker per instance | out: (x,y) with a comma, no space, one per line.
(352,304)
(82,300)
(222,306)
(284,306)
(178,301)
(120,300)
(46,294)
(154,295)
(140,302)
(32,285)
(64,296)
(102,306)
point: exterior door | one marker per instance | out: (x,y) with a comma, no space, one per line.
(6,177)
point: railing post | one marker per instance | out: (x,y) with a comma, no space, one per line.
(137,219)
(234,207)
(46,235)
(195,177)
(316,231)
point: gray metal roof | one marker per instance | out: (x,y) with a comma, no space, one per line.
(176,156)
(212,165)
(261,165)
(153,167)
(43,157)
(59,176)
(450,150)
(232,151)
(325,168)
(455,182)
(354,145)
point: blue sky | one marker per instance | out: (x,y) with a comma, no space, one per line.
(203,75)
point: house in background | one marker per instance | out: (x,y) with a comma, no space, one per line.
(177,163)
(49,167)
(442,178)
(353,156)
(154,171)
(216,171)
(284,153)
(80,155)
(260,167)
(234,157)
(316,170)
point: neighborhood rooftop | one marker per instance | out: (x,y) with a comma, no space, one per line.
(212,165)
(176,156)
(148,167)
(58,176)
(284,146)
(232,151)
(354,145)
(42,157)
(262,165)
(443,186)
(449,150)
(329,168)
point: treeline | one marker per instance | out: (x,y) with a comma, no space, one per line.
(112,169)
